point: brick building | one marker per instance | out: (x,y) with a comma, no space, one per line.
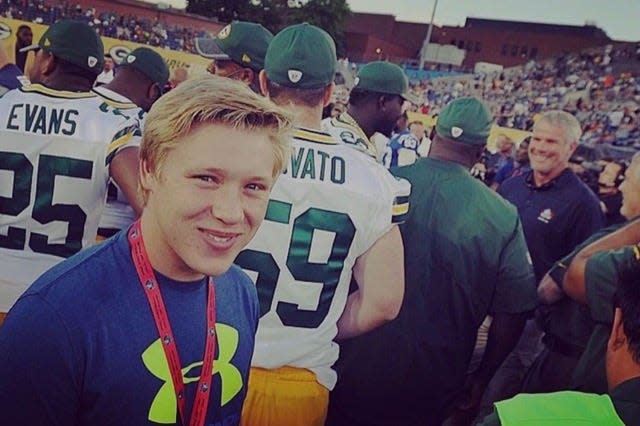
(507,43)
(141,9)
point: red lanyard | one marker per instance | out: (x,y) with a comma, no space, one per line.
(152,291)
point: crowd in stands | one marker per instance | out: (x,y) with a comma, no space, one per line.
(152,32)
(606,101)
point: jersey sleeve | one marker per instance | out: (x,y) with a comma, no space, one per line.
(559,269)
(515,290)
(128,134)
(390,203)
(601,280)
(37,368)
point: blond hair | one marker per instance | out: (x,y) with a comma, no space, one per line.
(213,100)
(568,123)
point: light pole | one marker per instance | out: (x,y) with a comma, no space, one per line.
(427,39)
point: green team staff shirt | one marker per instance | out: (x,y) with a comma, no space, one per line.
(465,258)
(601,278)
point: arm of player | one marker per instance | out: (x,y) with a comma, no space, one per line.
(574,280)
(504,333)
(124,171)
(379,273)
(549,292)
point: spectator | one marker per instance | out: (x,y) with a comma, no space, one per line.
(113,315)
(402,148)
(24,38)
(519,166)
(503,157)
(107,71)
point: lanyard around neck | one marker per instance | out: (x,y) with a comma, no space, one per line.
(151,289)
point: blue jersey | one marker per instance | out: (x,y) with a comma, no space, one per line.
(402,150)
(81,347)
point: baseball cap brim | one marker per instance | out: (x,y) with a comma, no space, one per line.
(208,48)
(414,99)
(35,46)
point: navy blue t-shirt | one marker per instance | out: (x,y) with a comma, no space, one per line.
(80,347)
(556,216)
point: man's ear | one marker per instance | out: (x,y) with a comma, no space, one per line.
(328,92)
(153,93)
(263,83)
(382,102)
(247,75)
(617,339)
(147,175)
(48,65)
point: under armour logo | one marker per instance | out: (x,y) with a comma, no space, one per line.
(163,409)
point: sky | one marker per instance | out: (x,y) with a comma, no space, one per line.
(619,18)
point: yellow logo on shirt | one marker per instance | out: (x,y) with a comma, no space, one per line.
(164,406)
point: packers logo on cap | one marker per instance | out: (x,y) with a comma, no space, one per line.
(456,132)
(294,75)
(245,58)
(225,32)
(47,42)
(5,31)
(92,61)
(130,59)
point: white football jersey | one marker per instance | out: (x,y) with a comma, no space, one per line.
(118,214)
(55,151)
(326,210)
(345,129)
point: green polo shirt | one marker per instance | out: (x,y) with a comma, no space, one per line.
(601,278)
(465,257)
(568,320)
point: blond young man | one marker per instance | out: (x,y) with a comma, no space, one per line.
(156,326)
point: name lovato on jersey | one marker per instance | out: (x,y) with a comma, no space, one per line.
(42,120)
(309,163)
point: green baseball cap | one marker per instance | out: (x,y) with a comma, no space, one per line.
(73,41)
(383,77)
(244,43)
(149,63)
(301,56)
(466,120)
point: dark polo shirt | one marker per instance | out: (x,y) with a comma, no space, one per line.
(556,216)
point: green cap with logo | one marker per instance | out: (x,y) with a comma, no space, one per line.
(383,77)
(245,43)
(466,120)
(301,56)
(149,63)
(75,42)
